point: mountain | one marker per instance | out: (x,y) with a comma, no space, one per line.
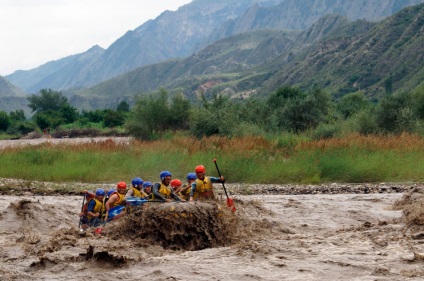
(389,57)
(226,59)
(12,97)
(335,54)
(301,14)
(189,29)
(171,35)
(59,75)
(8,89)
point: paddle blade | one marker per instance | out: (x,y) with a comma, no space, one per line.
(230,204)
(98,230)
(115,211)
(135,201)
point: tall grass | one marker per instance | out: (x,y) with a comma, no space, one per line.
(278,159)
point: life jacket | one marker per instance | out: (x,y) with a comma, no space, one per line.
(186,194)
(119,201)
(143,194)
(204,188)
(98,208)
(136,192)
(164,190)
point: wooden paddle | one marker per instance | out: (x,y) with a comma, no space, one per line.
(82,209)
(230,202)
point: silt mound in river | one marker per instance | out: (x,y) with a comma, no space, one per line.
(186,226)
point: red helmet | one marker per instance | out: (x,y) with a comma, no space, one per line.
(200,169)
(176,183)
(121,185)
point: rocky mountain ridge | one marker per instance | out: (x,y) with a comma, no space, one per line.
(200,22)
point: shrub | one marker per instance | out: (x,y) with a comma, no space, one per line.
(366,123)
(4,121)
(325,131)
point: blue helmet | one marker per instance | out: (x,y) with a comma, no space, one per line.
(191,176)
(164,174)
(146,184)
(137,182)
(109,193)
(100,192)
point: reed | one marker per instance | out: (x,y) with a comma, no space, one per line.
(253,159)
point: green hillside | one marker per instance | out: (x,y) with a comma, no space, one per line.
(387,58)
(337,55)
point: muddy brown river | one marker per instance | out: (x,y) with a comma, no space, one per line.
(274,237)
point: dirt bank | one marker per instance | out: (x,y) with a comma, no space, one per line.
(334,236)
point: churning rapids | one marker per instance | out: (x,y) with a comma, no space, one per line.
(348,233)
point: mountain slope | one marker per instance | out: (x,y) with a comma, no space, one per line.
(12,97)
(301,14)
(391,53)
(226,59)
(193,26)
(61,74)
(337,55)
(171,35)
(8,89)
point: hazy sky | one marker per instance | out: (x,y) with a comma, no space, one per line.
(34,32)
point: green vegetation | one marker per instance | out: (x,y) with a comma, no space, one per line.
(290,136)
(284,159)
(287,110)
(53,114)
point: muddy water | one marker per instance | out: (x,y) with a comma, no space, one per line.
(275,237)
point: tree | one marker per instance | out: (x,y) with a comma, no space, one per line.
(95,116)
(283,95)
(179,113)
(300,112)
(43,121)
(396,113)
(68,113)
(217,117)
(418,101)
(150,114)
(388,85)
(47,100)
(351,104)
(113,118)
(17,115)
(123,106)
(51,109)
(4,121)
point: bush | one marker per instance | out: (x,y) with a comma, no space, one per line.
(217,117)
(394,112)
(351,104)
(155,113)
(21,128)
(113,119)
(366,123)
(325,131)
(4,121)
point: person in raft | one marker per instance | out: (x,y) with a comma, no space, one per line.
(147,190)
(202,187)
(89,195)
(135,190)
(162,191)
(117,198)
(186,189)
(176,185)
(96,208)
